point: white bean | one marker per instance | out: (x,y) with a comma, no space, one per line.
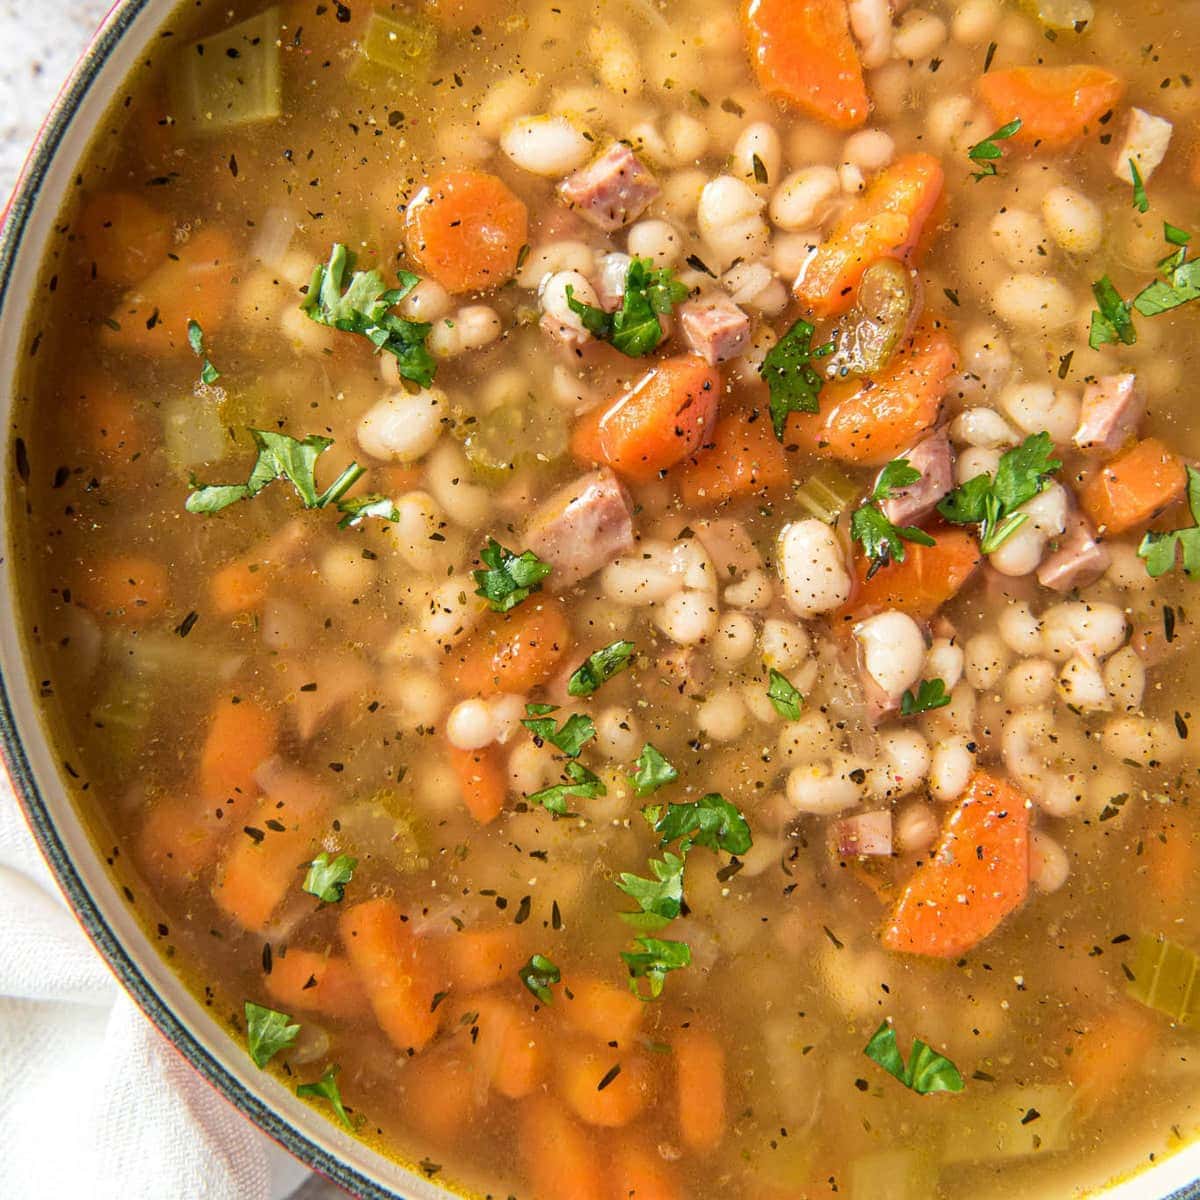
(945,661)
(558,318)
(616,59)
(1034,407)
(1082,684)
(1020,629)
(792,251)
(549,146)
(1141,740)
(758,141)
(722,716)
(973,461)
(687,618)
(1020,237)
(803,199)
(656,240)
(428,301)
(916,828)
(1047,517)
(754,591)
(1030,681)
(551,257)
(1074,221)
(870,150)
(618,735)
(730,220)
(893,650)
(403,426)
(470,726)
(851,179)
(987,657)
(825,788)
(453,611)
(645,576)
(1048,864)
(906,762)
(784,644)
(345,571)
(945,119)
(734,640)
(982,427)
(508,710)
(449,477)
(974,20)
(950,770)
(986,359)
(507,98)
(919,36)
(1098,628)
(813,568)
(1125,679)
(1033,302)
(871,22)
(420,519)
(681,192)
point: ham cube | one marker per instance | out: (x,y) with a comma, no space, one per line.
(1146,140)
(935,460)
(612,191)
(1079,559)
(714,328)
(1112,408)
(864,833)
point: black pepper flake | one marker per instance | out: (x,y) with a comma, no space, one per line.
(61,475)
(308,687)
(438,997)
(343,13)
(861,1084)
(523,909)
(698,264)
(337,767)
(1181,726)
(991,54)
(1168,623)
(726,873)
(983,1077)
(427,1165)
(730,105)
(1030,1116)
(21,457)
(952,296)
(609,1076)
(267,958)
(277,826)
(233,167)
(555,916)
(837,945)
(255,835)
(1120,939)
(187,624)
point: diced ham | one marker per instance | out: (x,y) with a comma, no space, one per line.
(714,328)
(934,458)
(1079,560)
(864,833)
(582,528)
(1146,140)
(1113,405)
(612,191)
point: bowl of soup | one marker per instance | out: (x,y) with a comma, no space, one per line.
(602,593)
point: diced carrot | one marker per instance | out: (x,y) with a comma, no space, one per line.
(396,970)
(605,1011)
(124,236)
(178,839)
(482,779)
(1170,849)
(803,53)
(240,586)
(323,983)
(481,958)
(513,651)
(438,1090)
(508,1047)
(600,1085)
(152,318)
(742,458)
(241,736)
(886,221)
(929,577)
(870,422)
(1056,104)
(699,1060)
(128,589)
(100,417)
(977,876)
(559,1156)
(1133,487)
(638,1171)
(264,861)
(1108,1051)
(466,230)
(662,420)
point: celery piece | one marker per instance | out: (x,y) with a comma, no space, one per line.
(193,435)
(397,45)
(826,494)
(232,78)
(382,828)
(893,1175)
(1164,979)
(1010,1122)
(512,436)
(1062,14)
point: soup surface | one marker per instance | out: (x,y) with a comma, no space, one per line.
(612,579)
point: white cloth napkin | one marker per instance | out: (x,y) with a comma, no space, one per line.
(95,1103)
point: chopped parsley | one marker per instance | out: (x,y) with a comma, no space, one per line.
(576,731)
(635,328)
(794,383)
(659,899)
(358,508)
(598,668)
(539,974)
(1161,551)
(986,153)
(267,1032)
(1140,200)
(195,335)
(652,963)
(882,541)
(506,578)
(990,501)
(580,782)
(653,771)
(783,695)
(926,1070)
(326,1088)
(1111,319)
(711,821)
(327,879)
(930,694)
(363,308)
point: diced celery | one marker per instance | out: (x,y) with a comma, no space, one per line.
(383,827)
(513,435)
(893,1175)
(397,44)
(1165,979)
(1062,14)
(232,78)
(193,433)
(826,494)
(1011,1122)
(121,715)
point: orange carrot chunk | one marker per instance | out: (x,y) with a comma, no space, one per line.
(178,839)
(124,236)
(129,589)
(638,1172)
(438,1090)
(1056,105)
(513,651)
(601,1086)
(665,418)
(312,982)
(481,958)
(466,229)
(241,736)
(482,780)
(886,221)
(1107,1051)
(743,458)
(977,876)
(1134,487)
(871,422)
(559,1156)
(803,53)
(699,1062)
(605,1011)
(394,967)
(507,1045)
(100,416)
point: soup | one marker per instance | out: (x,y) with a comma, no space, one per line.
(613,579)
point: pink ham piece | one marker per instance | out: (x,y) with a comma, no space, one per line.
(935,460)
(714,328)
(864,833)
(1079,559)
(582,528)
(1113,405)
(611,191)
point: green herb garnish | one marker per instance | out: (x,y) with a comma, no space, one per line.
(794,383)
(930,694)
(635,328)
(327,879)
(926,1071)
(1161,551)
(783,695)
(711,821)
(267,1032)
(580,782)
(598,668)
(539,974)
(326,1088)
(1140,200)
(507,578)
(660,899)
(577,730)
(882,541)
(653,771)
(987,152)
(652,963)
(358,508)
(195,335)
(1111,320)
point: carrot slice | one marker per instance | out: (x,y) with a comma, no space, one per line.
(699,1060)
(507,1046)
(1133,487)
(513,651)
(605,1011)
(128,589)
(1056,105)
(871,422)
(977,876)
(886,221)
(178,839)
(481,958)
(601,1086)
(743,458)
(803,53)
(1107,1052)
(638,1172)
(482,779)
(466,230)
(323,983)
(559,1155)
(395,969)
(100,416)
(439,1094)
(124,236)
(241,736)
(662,420)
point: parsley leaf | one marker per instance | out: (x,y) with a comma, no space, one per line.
(195,335)
(659,899)
(363,308)
(897,475)
(881,540)
(327,879)
(600,667)
(577,730)
(794,383)
(506,578)
(927,1071)
(653,771)
(783,695)
(538,974)
(987,152)
(634,329)
(326,1088)
(580,782)
(358,508)
(279,457)
(931,694)
(1111,322)
(1140,200)
(652,963)
(711,821)
(1161,551)
(1180,285)
(267,1032)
